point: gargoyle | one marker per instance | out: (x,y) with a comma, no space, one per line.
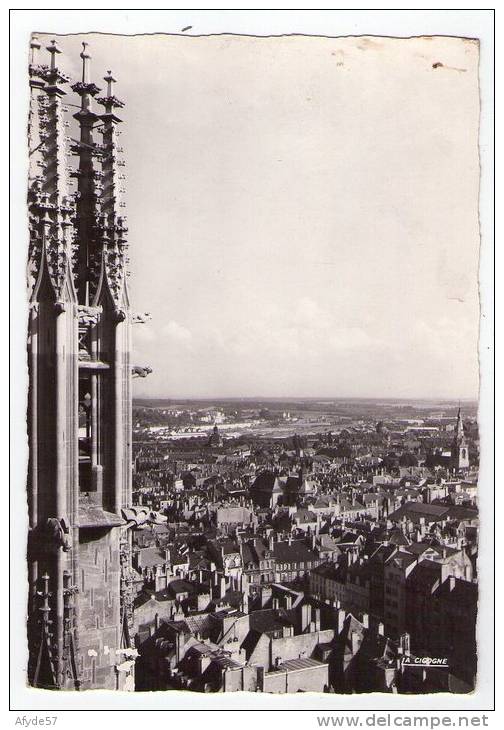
(47,538)
(139,371)
(140,318)
(56,532)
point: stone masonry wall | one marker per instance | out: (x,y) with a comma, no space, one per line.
(99,608)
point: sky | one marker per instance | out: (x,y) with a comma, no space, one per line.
(302,212)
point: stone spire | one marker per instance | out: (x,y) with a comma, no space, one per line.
(87,263)
(460,451)
(114,228)
(50,205)
(37,134)
(34,68)
(459,429)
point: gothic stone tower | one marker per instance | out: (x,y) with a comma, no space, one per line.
(79,413)
(459,451)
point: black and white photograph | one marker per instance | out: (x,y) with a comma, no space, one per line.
(252,337)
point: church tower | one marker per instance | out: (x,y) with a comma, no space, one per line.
(460,450)
(79,412)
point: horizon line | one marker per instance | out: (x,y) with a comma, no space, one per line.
(474,399)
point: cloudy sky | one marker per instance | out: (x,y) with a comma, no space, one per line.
(302,212)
